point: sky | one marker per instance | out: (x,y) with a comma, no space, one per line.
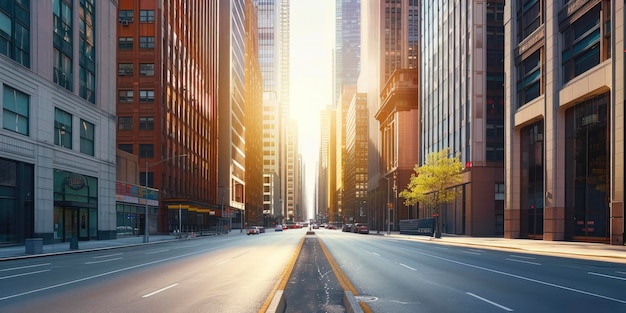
(311,47)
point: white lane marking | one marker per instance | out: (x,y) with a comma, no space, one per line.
(106,256)
(521,257)
(158,251)
(471,252)
(23,274)
(104,274)
(376,254)
(476,250)
(621,272)
(408,267)
(522,261)
(517,276)
(607,276)
(222,262)
(23,267)
(162,289)
(102,261)
(490,302)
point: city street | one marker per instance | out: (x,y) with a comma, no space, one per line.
(396,275)
(212,274)
(237,273)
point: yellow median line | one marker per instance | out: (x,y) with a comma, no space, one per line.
(284,278)
(341,277)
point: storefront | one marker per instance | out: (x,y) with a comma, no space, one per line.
(75,206)
(131,209)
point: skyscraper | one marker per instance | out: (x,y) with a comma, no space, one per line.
(273,21)
(462,106)
(388,45)
(231,108)
(167,107)
(347,45)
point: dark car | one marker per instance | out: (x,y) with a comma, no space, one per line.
(346,228)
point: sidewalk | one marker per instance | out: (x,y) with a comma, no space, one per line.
(19,251)
(606,252)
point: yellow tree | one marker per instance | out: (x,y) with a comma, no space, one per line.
(434,183)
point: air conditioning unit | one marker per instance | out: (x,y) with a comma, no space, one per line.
(124,22)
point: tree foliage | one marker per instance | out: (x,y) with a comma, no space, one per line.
(432,183)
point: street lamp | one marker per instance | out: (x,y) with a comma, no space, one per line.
(146,236)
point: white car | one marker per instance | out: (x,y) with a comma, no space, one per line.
(253,230)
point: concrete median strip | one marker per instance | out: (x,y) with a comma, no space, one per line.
(277,298)
(275,301)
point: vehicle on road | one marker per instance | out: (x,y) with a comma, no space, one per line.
(346,228)
(361,228)
(278,228)
(316,226)
(253,230)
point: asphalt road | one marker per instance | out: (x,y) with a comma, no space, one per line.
(216,274)
(394,275)
(237,273)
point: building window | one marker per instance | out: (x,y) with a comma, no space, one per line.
(125,96)
(126,147)
(87,141)
(146,16)
(125,43)
(146,96)
(62,128)
(146,69)
(62,42)
(529,78)
(146,123)
(87,85)
(529,17)
(15,31)
(531,179)
(146,150)
(62,70)
(146,42)
(87,57)
(15,110)
(125,16)
(125,69)
(125,123)
(581,45)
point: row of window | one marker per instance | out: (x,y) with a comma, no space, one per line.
(126,123)
(128,96)
(145,150)
(16,118)
(145,16)
(127,69)
(127,43)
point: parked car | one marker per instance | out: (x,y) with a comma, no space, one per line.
(253,230)
(278,228)
(315,226)
(361,228)
(261,229)
(346,228)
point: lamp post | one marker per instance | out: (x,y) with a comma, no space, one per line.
(387,205)
(146,236)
